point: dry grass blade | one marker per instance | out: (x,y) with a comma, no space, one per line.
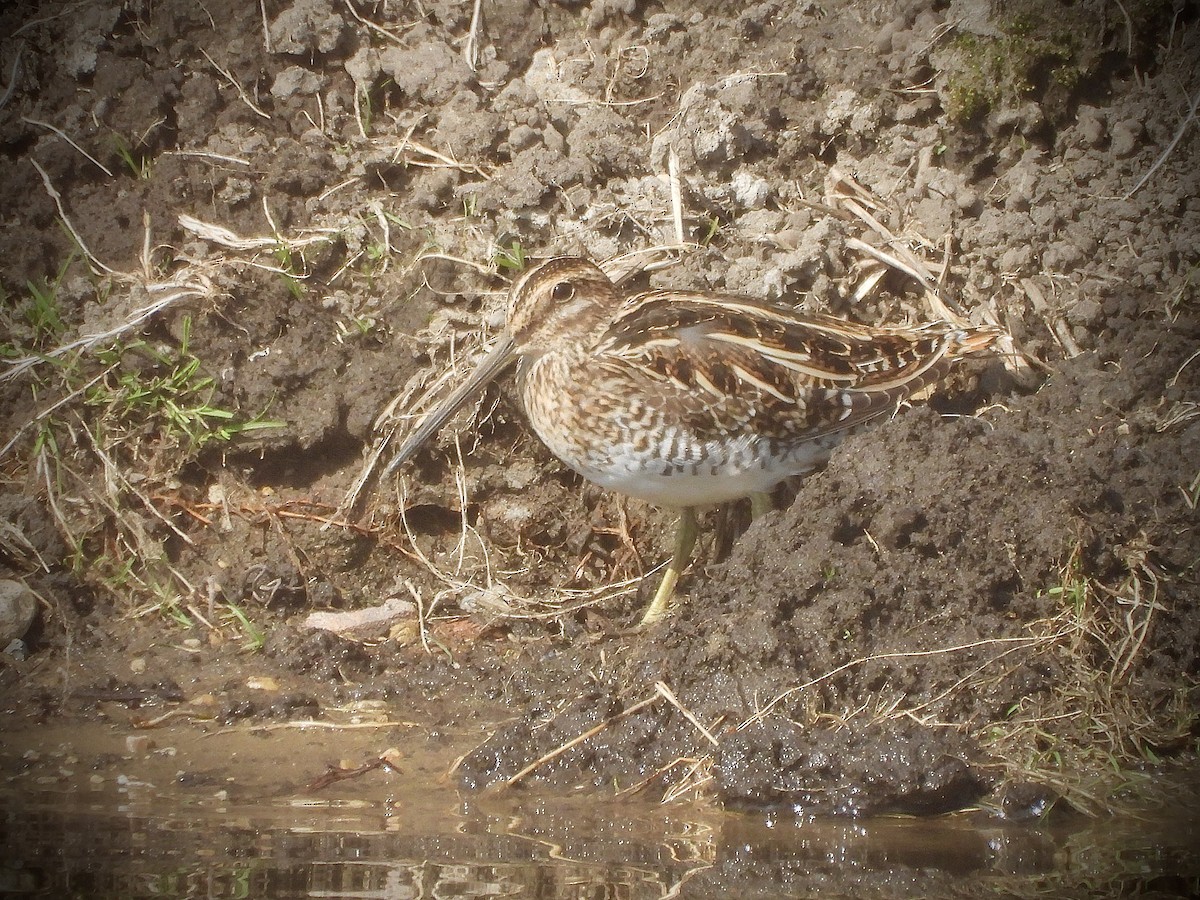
(579,739)
(62,134)
(98,266)
(1024,642)
(1193,105)
(625,266)
(44,414)
(12,77)
(699,773)
(1097,728)
(415,153)
(218,234)
(241,91)
(207,154)
(922,276)
(638,786)
(378,29)
(188,285)
(676,195)
(1054,323)
(116,481)
(670,697)
(471,45)
(17,547)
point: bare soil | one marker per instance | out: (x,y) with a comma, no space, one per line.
(989,601)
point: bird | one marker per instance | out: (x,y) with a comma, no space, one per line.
(687,399)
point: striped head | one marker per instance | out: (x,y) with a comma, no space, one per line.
(566,299)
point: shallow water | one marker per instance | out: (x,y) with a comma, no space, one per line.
(134,840)
(95,809)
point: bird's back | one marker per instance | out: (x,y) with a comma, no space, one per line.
(689,399)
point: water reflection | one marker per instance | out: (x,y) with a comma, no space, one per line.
(442,846)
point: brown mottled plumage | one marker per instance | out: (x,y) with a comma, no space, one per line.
(687,399)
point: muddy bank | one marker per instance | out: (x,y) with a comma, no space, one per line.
(245,240)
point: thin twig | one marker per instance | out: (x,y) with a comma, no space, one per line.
(204,154)
(12,76)
(236,86)
(179,291)
(51,408)
(376,28)
(262,9)
(471,46)
(62,214)
(676,195)
(1193,104)
(579,739)
(670,697)
(876,657)
(113,475)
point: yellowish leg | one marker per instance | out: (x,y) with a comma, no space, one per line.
(685,540)
(760,505)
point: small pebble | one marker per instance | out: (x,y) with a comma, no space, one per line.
(18,609)
(139,744)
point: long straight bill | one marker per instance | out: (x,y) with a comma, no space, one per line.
(491,366)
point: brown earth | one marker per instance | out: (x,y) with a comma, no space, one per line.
(990,600)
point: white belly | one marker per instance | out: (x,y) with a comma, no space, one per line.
(678,473)
(686,490)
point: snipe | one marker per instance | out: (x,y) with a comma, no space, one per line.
(688,399)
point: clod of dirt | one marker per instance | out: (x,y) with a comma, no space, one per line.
(1005,599)
(18,609)
(855,650)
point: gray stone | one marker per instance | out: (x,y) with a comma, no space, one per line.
(18,609)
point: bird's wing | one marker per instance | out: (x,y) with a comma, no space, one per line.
(734,362)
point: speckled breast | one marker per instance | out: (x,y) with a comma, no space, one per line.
(611,436)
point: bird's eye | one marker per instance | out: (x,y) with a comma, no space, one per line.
(562,291)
